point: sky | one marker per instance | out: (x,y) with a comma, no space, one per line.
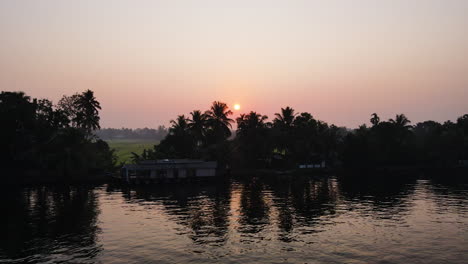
(149,61)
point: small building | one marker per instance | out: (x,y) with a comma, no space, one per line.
(168,170)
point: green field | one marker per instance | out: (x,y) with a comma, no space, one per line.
(125,147)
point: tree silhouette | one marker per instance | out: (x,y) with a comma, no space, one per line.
(178,143)
(36,137)
(68,106)
(285,119)
(375,120)
(17,116)
(218,122)
(197,126)
(250,122)
(283,132)
(179,126)
(401,121)
(87,116)
(253,139)
(293,139)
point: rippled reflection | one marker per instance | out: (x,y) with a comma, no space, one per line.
(203,208)
(276,219)
(49,224)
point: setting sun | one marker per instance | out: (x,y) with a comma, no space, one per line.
(237,107)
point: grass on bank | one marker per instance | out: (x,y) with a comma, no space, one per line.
(125,147)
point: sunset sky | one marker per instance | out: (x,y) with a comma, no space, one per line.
(148,61)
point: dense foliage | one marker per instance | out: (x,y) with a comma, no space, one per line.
(294,138)
(40,140)
(395,143)
(202,135)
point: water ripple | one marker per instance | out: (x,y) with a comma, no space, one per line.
(272,220)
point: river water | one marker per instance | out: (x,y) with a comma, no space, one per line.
(276,220)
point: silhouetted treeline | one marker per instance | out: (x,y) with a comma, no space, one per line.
(201,135)
(292,139)
(128,133)
(40,139)
(396,143)
(43,141)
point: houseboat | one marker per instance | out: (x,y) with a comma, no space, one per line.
(169,170)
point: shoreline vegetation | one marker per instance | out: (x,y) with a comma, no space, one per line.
(46,142)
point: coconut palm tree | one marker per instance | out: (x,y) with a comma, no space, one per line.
(179,126)
(252,139)
(250,122)
(283,132)
(197,126)
(87,116)
(178,143)
(401,121)
(218,121)
(285,119)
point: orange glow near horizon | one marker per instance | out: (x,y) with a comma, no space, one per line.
(339,60)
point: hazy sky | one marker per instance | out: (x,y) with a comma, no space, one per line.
(148,61)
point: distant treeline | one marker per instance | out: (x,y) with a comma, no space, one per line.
(292,139)
(41,141)
(128,133)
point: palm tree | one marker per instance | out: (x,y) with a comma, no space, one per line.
(250,122)
(401,121)
(401,134)
(197,126)
(375,120)
(178,143)
(218,121)
(87,116)
(179,126)
(284,123)
(286,118)
(252,139)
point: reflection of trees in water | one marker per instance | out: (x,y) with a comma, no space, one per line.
(450,194)
(302,201)
(254,210)
(44,220)
(203,207)
(380,196)
(295,205)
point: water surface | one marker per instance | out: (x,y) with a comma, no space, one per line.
(281,220)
